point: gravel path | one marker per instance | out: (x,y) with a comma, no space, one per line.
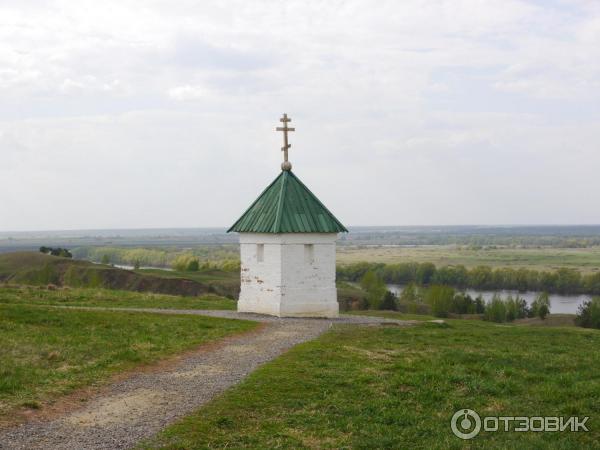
(146,402)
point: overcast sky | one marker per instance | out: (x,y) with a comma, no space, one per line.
(118,114)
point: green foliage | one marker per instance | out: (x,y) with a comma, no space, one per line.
(409,293)
(462,304)
(540,307)
(495,310)
(193,265)
(588,315)
(224,257)
(375,288)
(105,259)
(562,281)
(389,302)
(440,300)
(62,252)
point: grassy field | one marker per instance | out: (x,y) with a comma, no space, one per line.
(48,352)
(108,298)
(585,259)
(364,387)
(32,268)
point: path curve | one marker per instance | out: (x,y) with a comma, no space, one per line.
(146,402)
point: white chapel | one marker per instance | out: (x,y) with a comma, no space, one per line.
(287,249)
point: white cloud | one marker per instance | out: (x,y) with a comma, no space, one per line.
(406,112)
(187,92)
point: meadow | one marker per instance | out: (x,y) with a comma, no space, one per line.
(587,260)
(108,298)
(47,352)
(398,387)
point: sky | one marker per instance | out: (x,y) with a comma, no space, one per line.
(149,114)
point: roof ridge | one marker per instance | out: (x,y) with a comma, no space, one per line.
(255,201)
(319,202)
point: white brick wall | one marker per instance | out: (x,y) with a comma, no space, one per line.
(287,283)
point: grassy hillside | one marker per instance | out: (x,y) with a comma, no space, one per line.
(39,269)
(66,296)
(391,387)
(48,352)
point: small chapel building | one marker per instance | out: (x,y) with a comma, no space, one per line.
(287,249)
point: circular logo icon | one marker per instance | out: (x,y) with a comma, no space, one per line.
(465,424)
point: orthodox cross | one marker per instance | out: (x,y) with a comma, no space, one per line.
(285,119)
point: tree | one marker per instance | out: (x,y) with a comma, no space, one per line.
(409,293)
(105,259)
(375,288)
(136,264)
(193,265)
(540,306)
(425,273)
(511,309)
(588,315)
(389,301)
(495,311)
(479,304)
(63,252)
(440,299)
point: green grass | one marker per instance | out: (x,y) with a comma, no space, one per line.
(109,298)
(585,259)
(392,315)
(48,352)
(221,281)
(31,268)
(389,387)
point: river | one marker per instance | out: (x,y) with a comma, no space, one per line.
(559,304)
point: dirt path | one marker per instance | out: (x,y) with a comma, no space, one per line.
(146,402)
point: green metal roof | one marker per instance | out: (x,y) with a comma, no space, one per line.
(287,206)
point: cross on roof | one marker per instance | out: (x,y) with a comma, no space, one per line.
(286,165)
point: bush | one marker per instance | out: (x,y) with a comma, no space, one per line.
(193,265)
(479,305)
(185,262)
(462,304)
(373,284)
(588,315)
(440,299)
(389,302)
(540,306)
(495,311)
(62,252)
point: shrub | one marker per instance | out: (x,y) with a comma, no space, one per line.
(479,305)
(511,309)
(588,315)
(389,302)
(373,284)
(495,311)
(182,262)
(63,252)
(462,304)
(193,265)
(440,299)
(540,306)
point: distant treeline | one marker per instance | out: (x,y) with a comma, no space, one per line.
(561,281)
(477,237)
(224,257)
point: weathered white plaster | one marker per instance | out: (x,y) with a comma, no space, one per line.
(291,280)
